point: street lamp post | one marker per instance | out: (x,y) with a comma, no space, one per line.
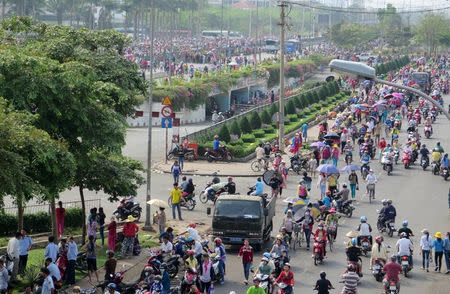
(365,71)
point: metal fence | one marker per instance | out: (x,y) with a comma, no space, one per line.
(45,207)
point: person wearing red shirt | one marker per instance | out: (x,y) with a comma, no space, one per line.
(286,277)
(129,231)
(60,215)
(392,270)
(246,252)
(320,235)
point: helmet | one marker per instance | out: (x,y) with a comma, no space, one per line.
(379,239)
(344,185)
(394,258)
(405,223)
(384,201)
(363,219)
(265,259)
(438,143)
(403,235)
(218,241)
(389,201)
(351,268)
(190,252)
(424,146)
(163,265)
(323,274)
(332,210)
(266,254)
(354,241)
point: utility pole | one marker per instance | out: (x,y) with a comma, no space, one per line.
(283,5)
(148,196)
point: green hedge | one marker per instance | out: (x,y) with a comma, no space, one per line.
(269,130)
(395,64)
(248,138)
(39,222)
(259,133)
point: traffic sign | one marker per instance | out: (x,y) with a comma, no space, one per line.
(155,114)
(166,101)
(167,111)
(166,123)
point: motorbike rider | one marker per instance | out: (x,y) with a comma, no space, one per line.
(286,277)
(353,253)
(392,270)
(189,188)
(389,212)
(332,220)
(307,222)
(364,230)
(379,251)
(424,153)
(350,280)
(259,188)
(444,161)
(220,252)
(216,144)
(342,196)
(438,148)
(405,229)
(231,186)
(404,247)
(320,235)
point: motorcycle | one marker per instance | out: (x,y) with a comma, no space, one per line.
(386,160)
(427,131)
(348,157)
(365,245)
(404,262)
(188,201)
(217,277)
(396,155)
(444,173)
(284,289)
(406,159)
(357,265)
(435,167)
(347,208)
(124,209)
(295,164)
(318,250)
(365,170)
(414,155)
(388,226)
(433,115)
(392,288)
(188,153)
(212,191)
(424,162)
(265,283)
(153,265)
(223,154)
(81,263)
(377,269)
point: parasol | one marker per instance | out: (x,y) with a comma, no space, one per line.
(350,168)
(327,169)
(158,203)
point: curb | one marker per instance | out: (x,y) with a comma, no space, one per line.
(193,173)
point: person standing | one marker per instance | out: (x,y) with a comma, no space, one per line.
(112,234)
(47,286)
(353,180)
(91,257)
(175,196)
(246,253)
(25,244)
(181,152)
(305,131)
(438,245)
(51,250)
(72,252)
(205,274)
(101,222)
(175,170)
(13,252)
(447,252)
(425,246)
(60,216)
(162,220)
(129,230)
(4,277)
(92,223)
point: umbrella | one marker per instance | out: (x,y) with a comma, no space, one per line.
(233,63)
(352,234)
(318,144)
(158,203)
(397,95)
(267,175)
(331,136)
(379,103)
(350,168)
(327,169)
(388,96)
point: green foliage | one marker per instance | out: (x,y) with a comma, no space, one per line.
(235,129)
(259,133)
(237,142)
(273,109)
(433,31)
(245,125)
(350,35)
(269,130)
(292,117)
(295,68)
(224,134)
(248,138)
(386,67)
(265,117)
(290,107)
(255,121)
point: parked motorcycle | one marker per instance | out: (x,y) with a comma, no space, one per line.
(223,154)
(188,153)
(124,209)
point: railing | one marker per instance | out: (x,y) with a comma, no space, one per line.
(45,207)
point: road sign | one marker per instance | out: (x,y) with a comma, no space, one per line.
(167,111)
(155,114)
(166,123)
(166,101)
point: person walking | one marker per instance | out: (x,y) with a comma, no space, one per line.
(101,216)
(175,196)
(13,253)
(425,246)
(47,286)
(25,244)
(246,253)
(72,253)
(60,216)
(305,131)
(322,184)
(205,274)
(91,257)
(353,180)
(92,223)
(129,230)
(447,252)
(161,220)
(4,276)
(335,154)
(51,250)
(175,170)
(112,234)
(438,245)
(181,152)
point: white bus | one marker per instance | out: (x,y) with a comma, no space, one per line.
(218,33)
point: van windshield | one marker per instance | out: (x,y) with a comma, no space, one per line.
(237,209)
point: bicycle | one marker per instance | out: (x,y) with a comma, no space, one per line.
(259,164)
(299,235)
(371,192)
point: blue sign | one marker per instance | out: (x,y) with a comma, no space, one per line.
(166,122)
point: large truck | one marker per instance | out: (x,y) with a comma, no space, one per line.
(240,217)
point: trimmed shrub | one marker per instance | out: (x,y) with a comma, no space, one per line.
(259,133)
(245,125)
(269,130)
(224,134)
(235,129)
(248,138)
(255,121)
(266,118)
(237,142)
(290,107)
(316,97)
(273,109)
(292,117)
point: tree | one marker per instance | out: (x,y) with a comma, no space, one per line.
(265,117)
(350,35)
(391,26)
(433,31)
(245,126)
(273,108)
(290,107)
(224,134)
(235,130)
(255,121)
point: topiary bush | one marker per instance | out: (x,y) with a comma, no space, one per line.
(259,133)
(245,125)
(237,142)
(248,138)
(273,109)
(224,134)
(266,118)
(255,121)
(235,129)
(290,107)
(293,117)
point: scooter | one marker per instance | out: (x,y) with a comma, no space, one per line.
(377,269)
(223,154)
(365,245)
(427,131)
(396,155)
(444,173)
(212,191)
(295,164)
(424,162)
(265,283)
(388,226)
(392,288)
(404,262)
(318,250)
(284,289)
(406,159)
(188,153)
(386,160)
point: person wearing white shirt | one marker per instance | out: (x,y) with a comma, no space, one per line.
(191,232)
(166,246)
(47,286)
(4,277)
(371,179)
(13,252)
(51,250)
(426,244)
(53,269)
(404,247)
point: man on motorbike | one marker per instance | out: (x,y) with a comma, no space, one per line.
(389,213)
(379,251)
(220,252)
(231,186)
(332,220)
(392,270)
(350,280)
(444,162)
(189,188)
(405,229)
(259,188)
(256,289)
(342,196)
(364,230)
(424,152)
(404,247)
(216,144)
(353,253)
(287,278)
(438,148)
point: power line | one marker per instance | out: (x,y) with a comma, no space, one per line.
(354,11)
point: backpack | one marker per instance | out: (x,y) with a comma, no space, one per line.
(176,170)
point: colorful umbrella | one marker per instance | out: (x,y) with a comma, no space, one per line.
(331,136)
(327,169)
(398,95)
(351,167)
(318,144)
(267,176)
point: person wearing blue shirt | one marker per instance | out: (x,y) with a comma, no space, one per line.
(438,245)
(47,286)
(51,250)
(24,246)
(53,269)
(444,161)
(259,188)
(305,131)
(447,252)
(72,252)
(327,201)
(216,143)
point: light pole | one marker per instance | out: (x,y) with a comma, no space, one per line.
(281,99)
(362,70)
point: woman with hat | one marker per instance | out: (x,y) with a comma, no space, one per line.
(438,245)
(129,231)
(425,245)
